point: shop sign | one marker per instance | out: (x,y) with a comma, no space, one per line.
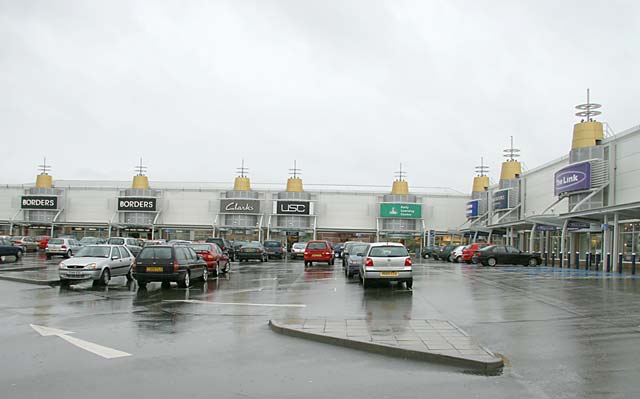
(574,177)
(137,204)
(501,199)
(572,225)
(472,209)
(402,211)
(432,237)
(545,227)
(39,202)
(239,206)
(293,208)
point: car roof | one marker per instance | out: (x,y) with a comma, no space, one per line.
(386,244)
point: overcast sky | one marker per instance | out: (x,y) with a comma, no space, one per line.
(349,89)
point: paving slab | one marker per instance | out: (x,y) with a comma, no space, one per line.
(445,342)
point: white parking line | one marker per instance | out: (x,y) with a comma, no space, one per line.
(103,351)
(270,305)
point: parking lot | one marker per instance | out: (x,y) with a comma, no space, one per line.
(562,334)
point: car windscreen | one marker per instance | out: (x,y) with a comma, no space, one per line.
(155,253)
(115,241)
(388,252)
(299,245)
(56,241)
(317,245)
(93,251)
(272,244)
(357,249)
(201,247)
(251,245)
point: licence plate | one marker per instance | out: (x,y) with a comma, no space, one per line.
(74,274)
(388,274)
(316,255)
(151,269)
(250,250)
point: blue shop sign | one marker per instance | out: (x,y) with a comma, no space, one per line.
(501,199)
(575,177)
(472,209)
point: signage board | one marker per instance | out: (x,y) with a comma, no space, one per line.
(39,202)
(573,225)
(472,209)
(401,211)
(432,237)
(501,199)
(545,227)
(137,204)
(575,177)
(239,206)
(293,207)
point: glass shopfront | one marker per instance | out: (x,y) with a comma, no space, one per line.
(629,239)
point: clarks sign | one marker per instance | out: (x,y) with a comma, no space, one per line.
(39,202)
(137,204)
(239,206)
(293,208)
(574,177)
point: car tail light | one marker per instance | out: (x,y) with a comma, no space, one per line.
(407,262)
(306,252)
(176,266)
(259,251)
(133,265)
(63,247)
(369,262)
(327,253)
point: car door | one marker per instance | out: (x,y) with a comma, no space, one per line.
(125,260)
(515,256)
(501,255)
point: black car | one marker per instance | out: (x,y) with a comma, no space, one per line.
(167,263)
(498,254)
(337,250)
(252,251)
(8,249)
(274,249)
(225,245)
(445,252)
(428,251)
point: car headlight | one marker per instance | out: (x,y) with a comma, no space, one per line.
(61,265)
(91,266)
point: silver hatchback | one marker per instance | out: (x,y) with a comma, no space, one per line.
(386,261)
(62,246)
(98,263)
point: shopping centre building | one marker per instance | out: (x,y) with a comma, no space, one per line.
(582,207)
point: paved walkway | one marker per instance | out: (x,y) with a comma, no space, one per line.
(425,339)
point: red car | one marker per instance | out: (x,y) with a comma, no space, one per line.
(318,251)
(217,260)
(43,240)
(467,254)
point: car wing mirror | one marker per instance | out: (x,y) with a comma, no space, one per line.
(360,254)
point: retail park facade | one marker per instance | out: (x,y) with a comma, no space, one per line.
(585,202)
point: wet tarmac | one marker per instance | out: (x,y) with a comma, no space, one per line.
(564,334)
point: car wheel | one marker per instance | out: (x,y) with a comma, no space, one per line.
(492,262)
(266,259)
(205,274)
(105,277)
(262,259)
(409,284)
(142,285)
(130,274)
(533,262)
(185,281)
(48,256)
(18,255)
(458,259)
(64,282)
(68,254)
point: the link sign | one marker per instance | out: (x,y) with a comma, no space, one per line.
(239,206)
(574,177)
(39,202)
(401,211)
(138,204)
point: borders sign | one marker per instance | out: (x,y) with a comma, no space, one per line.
(39,202)
(401,211)
(574,177)
(137,204)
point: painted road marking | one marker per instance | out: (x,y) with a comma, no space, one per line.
(103,351)
(270,305)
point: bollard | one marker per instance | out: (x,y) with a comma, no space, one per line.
(553,259)
(546,258)
(577,260)
(608,263)
(633,263)
(561,259)
(597,263)
(620,262)
(588,261)
(568,260)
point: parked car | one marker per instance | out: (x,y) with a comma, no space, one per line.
(65,247)
(43,241)
(498,254)
(169,263)
(274,249)
(28,243)
(252,251)
(297,250)
(467,253)
(226,246)
(98,263)
(355,259)
(154,242)
(132,244)
(445,251)
(427,251)
(338,249)
(318,251)
(92,241)
(217,260)
(346,251)
(456,254)
(8,249)
(386,261)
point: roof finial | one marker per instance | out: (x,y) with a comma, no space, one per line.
(483,169)
(588,110)
(511,153)
(294,172)
(140,169)
(44,168)
(400,174)
(242,170)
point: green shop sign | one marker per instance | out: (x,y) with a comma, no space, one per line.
(403,211)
